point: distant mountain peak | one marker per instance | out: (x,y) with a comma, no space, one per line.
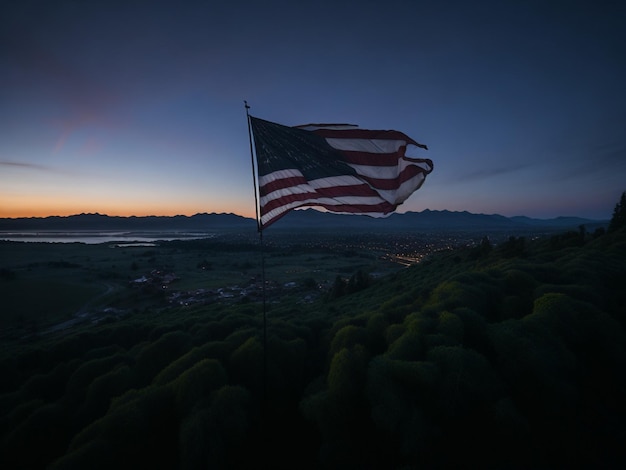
(426,221)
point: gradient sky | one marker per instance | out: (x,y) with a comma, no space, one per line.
(136,108)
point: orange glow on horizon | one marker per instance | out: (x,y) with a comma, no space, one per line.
(46,208)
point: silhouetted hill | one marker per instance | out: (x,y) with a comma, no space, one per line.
(426,220)
(197,222)
(429,220)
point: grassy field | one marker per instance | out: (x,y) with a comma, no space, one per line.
(47,283)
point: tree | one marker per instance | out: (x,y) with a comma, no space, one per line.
(482,250)
(358,281)
(338,289)
(619,215)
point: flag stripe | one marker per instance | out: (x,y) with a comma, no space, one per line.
(371,159)
(386,173)
(309,192)
(361,204)
(388,182)
(379,210)
(366,135)
(282,180)
(368,146)
(342,169)
(326,187)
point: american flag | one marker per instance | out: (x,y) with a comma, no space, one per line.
(338,167)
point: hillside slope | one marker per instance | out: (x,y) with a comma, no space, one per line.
(508,356)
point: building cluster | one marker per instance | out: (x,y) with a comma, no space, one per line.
(157,279)
(161,280)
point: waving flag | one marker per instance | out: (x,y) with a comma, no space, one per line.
(338,167)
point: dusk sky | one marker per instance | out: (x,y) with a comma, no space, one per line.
(136,107)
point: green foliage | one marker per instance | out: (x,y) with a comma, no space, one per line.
(229,415)
(507,356)
(346,376)
(468,380)
(618,220)
(475,290)
(569,239)
(155,356)
(475,332)
(513,247)
(338,289)
(83,376)
(482,250)
(347,337)
(193,438)
(536,366)
(49,386)
(102,390)
(410,346)
(358,281)
(394,332)
(97,454)
(289,368)
(138,429)
(451,325)
(518,287)
(246,364)
(183,363)
(402,396)
(194,386)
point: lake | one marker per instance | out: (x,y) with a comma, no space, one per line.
(95,237)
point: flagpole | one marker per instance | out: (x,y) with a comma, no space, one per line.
(256,199)
(260,230)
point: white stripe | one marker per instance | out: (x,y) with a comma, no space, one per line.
(323,183)
(386,172)
(314,127)
(380,172)
(350,200)
(299,189)
(393,196)
(343,180)
(398,196)
(356,200)
(279,175)
(366,145)
(311,186)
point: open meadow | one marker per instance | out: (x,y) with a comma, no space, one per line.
(45,284)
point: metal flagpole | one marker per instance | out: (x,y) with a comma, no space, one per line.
(256,199)
(260,230)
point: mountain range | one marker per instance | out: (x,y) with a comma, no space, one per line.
(310,219)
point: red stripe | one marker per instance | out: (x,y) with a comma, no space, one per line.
(373,159)
(381,159)
(382,208)
(281,183)
(394,183)
(362,190)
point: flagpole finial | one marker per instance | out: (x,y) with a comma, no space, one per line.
(246,104)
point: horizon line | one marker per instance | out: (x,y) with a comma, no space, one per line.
(303,209)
